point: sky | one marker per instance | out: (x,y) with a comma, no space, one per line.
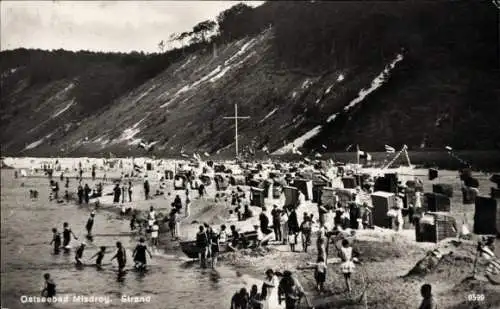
(110,26)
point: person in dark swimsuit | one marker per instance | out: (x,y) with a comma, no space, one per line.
(56,240)
(50,287)
(79,254)
(90,224)
(139,255)
(67,232)
(120,256)
(100,256)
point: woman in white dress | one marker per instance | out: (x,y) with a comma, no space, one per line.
(269,291)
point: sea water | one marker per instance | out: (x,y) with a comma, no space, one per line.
(172,281)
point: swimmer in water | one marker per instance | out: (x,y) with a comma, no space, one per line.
(139,254)
(100,256)
(56,240)
(49,289)
(90,224)
(120,256)
(67,232)
(79,254)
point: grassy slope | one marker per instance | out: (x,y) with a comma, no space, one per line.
(114,92)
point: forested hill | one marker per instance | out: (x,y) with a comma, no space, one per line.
(313,76)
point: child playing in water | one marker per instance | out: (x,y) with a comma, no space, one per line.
(56,240)
(100,256)
(79,254)
(90,224)
(49,289)
(67,232)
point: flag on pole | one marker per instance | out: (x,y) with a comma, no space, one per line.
(389,149)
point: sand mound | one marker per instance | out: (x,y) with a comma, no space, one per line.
(448,262)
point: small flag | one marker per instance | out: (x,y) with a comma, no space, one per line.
(348,148)
(207,154)
(323,146)
(317,155)
(265,149)
(389,149)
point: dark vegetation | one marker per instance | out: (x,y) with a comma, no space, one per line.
(444,92)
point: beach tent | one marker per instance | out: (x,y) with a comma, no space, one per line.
(305,186)
(169,174)
(345,195)
(180,182)
(382,201)
(487,216)
(443,188)
(291,196)
(221,183)
(257,197)
(237,180)
(206,180)
(317,190)
(328,198)
(349,182)
(434,227)
(437,202)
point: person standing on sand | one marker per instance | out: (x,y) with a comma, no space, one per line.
(151,217)
(347,266)
(86,191)
(146,189)
(130,191)
(290,291)
(276,215)
(284,225)
(187,211)
(154,234)
(428,301)
(240,300)
(293,229)
(269,290)
(305,229)
(124,190)
(201,190)
(202,244)
(320,270)
(254,301)
(80,194)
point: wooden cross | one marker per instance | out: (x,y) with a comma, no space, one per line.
(236,125)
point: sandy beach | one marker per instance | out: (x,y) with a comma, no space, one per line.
(382,280)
